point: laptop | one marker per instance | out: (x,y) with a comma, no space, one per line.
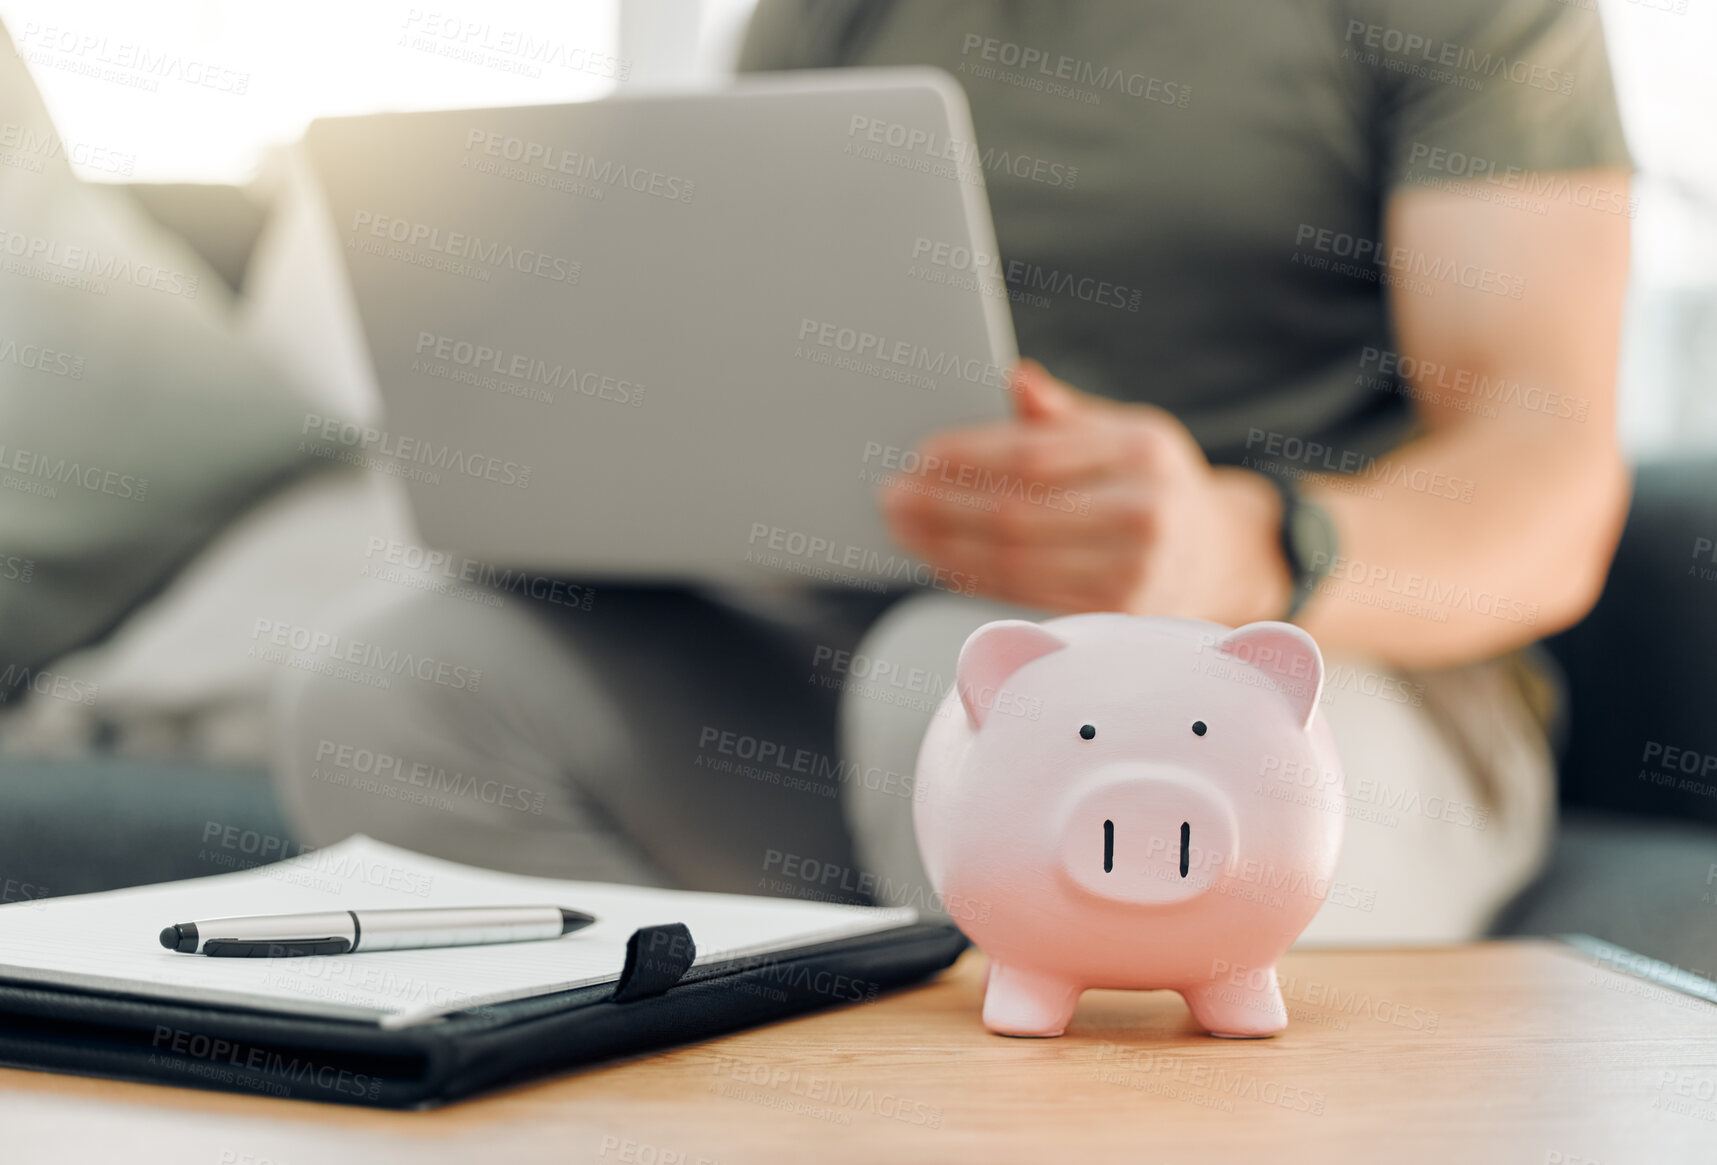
(680,337)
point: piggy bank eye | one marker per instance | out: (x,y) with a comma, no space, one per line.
(1088,731)
(1198,728)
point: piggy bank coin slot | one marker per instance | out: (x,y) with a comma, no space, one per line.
(1108,847)
(1185,847)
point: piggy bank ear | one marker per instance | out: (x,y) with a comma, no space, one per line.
(1286,655)
(994,652)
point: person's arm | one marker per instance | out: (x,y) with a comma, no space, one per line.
(1152,528)
(1528,554)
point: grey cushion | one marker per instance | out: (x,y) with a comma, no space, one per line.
(221,223)
(134,421)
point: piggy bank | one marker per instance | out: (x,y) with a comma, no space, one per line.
(1103,799)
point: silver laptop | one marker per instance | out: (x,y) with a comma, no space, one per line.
(677,337)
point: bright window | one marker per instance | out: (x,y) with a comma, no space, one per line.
(197,90)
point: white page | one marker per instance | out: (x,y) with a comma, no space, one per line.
(110,941)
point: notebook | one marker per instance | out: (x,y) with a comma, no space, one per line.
(85,986)
(108,942)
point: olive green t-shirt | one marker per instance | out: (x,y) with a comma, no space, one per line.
(1188,194)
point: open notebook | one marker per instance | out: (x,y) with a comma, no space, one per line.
(108,942)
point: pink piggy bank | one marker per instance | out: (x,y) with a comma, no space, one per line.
(1103,804)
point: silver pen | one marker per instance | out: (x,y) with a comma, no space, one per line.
(341,932)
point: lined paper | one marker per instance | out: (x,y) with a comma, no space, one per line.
(109,941)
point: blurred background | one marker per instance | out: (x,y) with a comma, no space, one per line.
(320,57)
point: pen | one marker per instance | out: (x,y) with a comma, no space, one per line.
(340,932)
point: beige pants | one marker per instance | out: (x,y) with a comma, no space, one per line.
(672,739)
(1448,776)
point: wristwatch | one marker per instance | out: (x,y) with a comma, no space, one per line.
(1309,542)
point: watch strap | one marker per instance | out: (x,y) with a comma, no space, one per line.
(1306,568)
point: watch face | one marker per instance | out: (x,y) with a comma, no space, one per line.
(1313,537)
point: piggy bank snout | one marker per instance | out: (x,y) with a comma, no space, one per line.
(1146,834)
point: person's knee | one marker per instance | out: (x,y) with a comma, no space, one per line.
(1432,845)
(328,744)
(901,672)
(369,694)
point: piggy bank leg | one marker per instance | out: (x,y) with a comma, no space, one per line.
(1018,1002)
(1239,1011)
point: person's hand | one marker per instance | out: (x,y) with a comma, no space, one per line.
(1083,504)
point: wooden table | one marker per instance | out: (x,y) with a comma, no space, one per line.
(1521,1052)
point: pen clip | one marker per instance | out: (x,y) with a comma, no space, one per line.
(229,948)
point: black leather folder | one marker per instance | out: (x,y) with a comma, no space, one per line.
(659,1001)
